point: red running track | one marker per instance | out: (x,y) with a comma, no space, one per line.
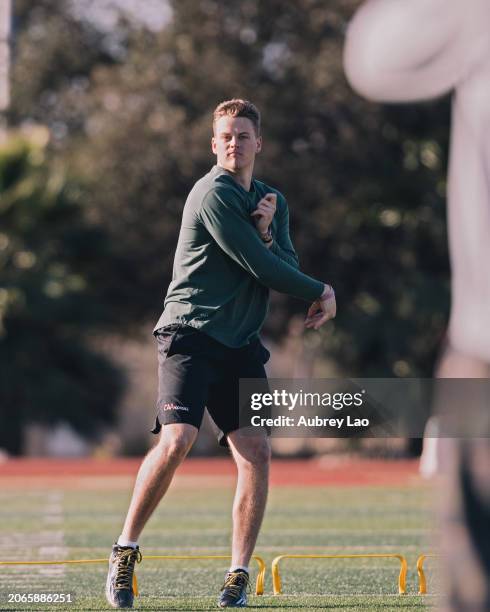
(331,471)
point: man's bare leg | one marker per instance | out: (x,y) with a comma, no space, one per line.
(155,475)
(252,457)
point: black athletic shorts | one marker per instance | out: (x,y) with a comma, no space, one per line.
(196,371)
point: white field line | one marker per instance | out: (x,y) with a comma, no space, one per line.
(285,549)
(54,549)
(43,545)
(312,531)
(210,550)
(277,598)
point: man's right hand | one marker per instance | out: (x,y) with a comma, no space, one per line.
(265,212)
(322,310)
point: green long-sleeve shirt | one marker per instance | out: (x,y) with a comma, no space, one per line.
(222,270)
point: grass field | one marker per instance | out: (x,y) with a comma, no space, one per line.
(79,517)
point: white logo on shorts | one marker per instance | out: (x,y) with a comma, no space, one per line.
(175,407)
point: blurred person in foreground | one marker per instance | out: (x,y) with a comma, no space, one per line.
(233,247)
(410,50)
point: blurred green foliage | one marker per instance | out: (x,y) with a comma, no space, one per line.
(129,110)
(48,309)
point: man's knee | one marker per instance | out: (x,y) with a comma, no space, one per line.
(252,451)
(176,440)
(261,452)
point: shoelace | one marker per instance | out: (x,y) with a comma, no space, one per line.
(234,582)
(125,567)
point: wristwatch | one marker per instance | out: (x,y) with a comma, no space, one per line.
(267,237)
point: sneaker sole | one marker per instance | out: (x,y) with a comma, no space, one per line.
(242,603)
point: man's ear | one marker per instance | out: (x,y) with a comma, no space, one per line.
(259,145)
(213,145)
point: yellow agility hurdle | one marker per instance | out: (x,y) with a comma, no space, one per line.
(420,572)
(259,584)
(402,578)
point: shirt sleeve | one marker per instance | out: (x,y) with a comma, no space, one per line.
(282,245)
(225,218)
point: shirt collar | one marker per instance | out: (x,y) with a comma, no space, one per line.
(219,171)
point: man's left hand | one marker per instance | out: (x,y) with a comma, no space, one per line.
(264,213)
(322,310)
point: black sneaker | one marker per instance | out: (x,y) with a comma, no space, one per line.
(119,586)
(234,590)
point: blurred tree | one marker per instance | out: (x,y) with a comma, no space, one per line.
(365,183)
(54,55)
(48,371)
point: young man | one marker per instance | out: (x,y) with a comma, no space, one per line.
(233,246)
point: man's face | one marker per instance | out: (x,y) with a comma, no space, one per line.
(235,143)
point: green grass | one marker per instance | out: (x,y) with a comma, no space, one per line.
(81,522)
